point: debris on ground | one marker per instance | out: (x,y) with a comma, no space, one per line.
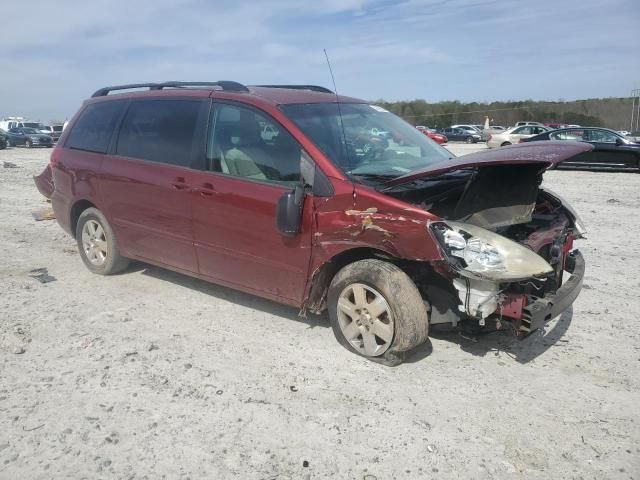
(9,165)
(42,275)
(44,214)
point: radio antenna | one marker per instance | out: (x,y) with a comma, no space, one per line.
(335,89)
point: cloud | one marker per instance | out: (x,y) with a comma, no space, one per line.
(434,49)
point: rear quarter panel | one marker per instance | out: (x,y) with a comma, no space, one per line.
(74,179)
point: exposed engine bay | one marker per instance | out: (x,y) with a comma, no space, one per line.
(507,241)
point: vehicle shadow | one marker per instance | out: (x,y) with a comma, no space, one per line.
(503,341)
(224,293)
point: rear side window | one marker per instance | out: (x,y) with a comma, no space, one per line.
(160,131)
(93,130)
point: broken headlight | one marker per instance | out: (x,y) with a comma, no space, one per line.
(479,253)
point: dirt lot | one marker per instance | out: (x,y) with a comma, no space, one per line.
(151,374)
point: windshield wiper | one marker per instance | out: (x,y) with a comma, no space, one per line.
(375,177)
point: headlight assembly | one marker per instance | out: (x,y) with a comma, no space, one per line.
(478,253)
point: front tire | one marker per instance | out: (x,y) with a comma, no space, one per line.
(505,144)
(97,244)
(469,139)
(376,311)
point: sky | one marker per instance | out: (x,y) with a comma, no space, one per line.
(55,54)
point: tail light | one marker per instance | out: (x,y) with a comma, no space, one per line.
(55,156)
(489,137)
(522,140)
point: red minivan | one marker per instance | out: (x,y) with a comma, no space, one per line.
(318,201)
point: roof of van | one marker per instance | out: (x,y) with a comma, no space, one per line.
(272,94)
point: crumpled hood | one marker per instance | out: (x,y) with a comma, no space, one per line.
(548,152)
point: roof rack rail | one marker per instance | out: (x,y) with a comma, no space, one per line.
(313,88)
(223,84)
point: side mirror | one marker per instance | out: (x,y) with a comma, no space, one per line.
(619,142)
(289,211)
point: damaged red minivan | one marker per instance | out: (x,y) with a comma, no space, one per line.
(321,202)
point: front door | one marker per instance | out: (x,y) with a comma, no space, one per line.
(251,162)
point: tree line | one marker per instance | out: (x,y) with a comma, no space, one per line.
(612,113)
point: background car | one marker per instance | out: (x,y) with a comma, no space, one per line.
(433,135)
(469,128)
(493,129)
(29,137)
(40,127)
(611,150)
(522,124)
(555,126)
(56,132)
(439,138)
(459,135)
(514,135)
(3,139)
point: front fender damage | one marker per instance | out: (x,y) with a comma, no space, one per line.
(347,232)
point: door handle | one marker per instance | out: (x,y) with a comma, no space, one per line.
(207,190)
(179,184)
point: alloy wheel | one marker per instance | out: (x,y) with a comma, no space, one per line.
(94,242)
(365,319)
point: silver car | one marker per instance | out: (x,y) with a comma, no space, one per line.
(513,135)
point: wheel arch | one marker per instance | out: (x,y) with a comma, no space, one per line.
(323,275)
(76,210)
(321,278)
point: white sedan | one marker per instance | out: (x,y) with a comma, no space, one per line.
(513,135)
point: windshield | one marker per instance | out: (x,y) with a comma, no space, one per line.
(375,145)
(32,125)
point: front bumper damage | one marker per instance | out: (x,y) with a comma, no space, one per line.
(540,310)
(482,302)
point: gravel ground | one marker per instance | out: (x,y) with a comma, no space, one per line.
(151,374)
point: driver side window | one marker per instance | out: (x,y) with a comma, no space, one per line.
(244,143)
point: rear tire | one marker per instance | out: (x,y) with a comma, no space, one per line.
(28,144)
(380,337)
(97,244)
(505,144)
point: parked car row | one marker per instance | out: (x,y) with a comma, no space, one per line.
(19,131)
(611,150)
(472,133)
